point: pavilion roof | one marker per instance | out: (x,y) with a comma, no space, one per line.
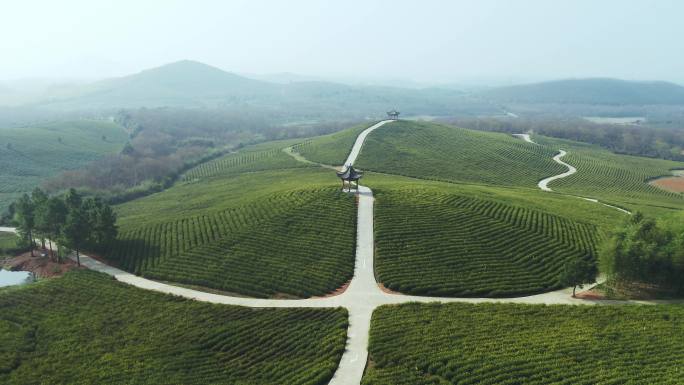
(349,173)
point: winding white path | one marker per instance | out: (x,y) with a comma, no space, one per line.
(363,294)
(543,184)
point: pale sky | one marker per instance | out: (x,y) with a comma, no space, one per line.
(439,41)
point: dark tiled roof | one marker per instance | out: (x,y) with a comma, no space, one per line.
(350,173)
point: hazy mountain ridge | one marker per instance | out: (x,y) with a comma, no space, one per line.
(590,91)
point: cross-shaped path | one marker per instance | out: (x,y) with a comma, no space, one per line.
(360,298)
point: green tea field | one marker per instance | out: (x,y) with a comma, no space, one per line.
(436,344)
(86,328)
(31,154)
(256,223)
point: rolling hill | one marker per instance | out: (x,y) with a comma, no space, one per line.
(31,154)
(590,91)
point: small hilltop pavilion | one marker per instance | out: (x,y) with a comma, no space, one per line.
(349,175)
(393,115)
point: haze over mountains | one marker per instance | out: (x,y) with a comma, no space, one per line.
(192,84)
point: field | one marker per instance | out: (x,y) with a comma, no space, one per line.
(251,223)
(9,244)
(30,154)
(86,328)
(617,179)
(673,184)
(331,149)
(525,344)
(449,240)
(437,152)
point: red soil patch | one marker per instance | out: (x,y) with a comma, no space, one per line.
(386,290)
(591,294)
(674,184)
(338,291)
(43,267)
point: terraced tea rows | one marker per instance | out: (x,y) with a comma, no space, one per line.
(431,151)
(254,158)
(619,179)
(299,243)
(443,244)
(29,154)
(525,344)
(86,328)
(331,149)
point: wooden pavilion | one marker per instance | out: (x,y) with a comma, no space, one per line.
(393,115)
(350,175)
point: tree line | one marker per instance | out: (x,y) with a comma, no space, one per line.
(71,220)
(646,250)
(641,140)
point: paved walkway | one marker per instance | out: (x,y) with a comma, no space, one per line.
(361,297)
(543,184)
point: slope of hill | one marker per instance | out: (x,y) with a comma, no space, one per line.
(86,328)
(416,344)
(614,178)
(433,151)
(29,155)
(256,223)
(446,239)
(590,91)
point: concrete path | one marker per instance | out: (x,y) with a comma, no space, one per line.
(361,297)
(525,137)
(543,184)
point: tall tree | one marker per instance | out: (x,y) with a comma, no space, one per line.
(76,230)
(40,199)
(25,218)
(577,272)
(53,217)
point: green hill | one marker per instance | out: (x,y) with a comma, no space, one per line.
(590,91)
(444,239)
(86,328)
(437,152)
(256,223)
(31,154)
(618,179)
(417,344)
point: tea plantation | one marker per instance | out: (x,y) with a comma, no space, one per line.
(432,151)
(86,328)
(618,179)
(526,344)
(441,242)
(254,223)
(30,154)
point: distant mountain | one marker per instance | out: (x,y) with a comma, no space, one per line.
(183,83)
(193,84)
(590,91)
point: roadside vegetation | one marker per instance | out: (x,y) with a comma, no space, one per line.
(433,344)
(86,328)
(70,220)
(645,257)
